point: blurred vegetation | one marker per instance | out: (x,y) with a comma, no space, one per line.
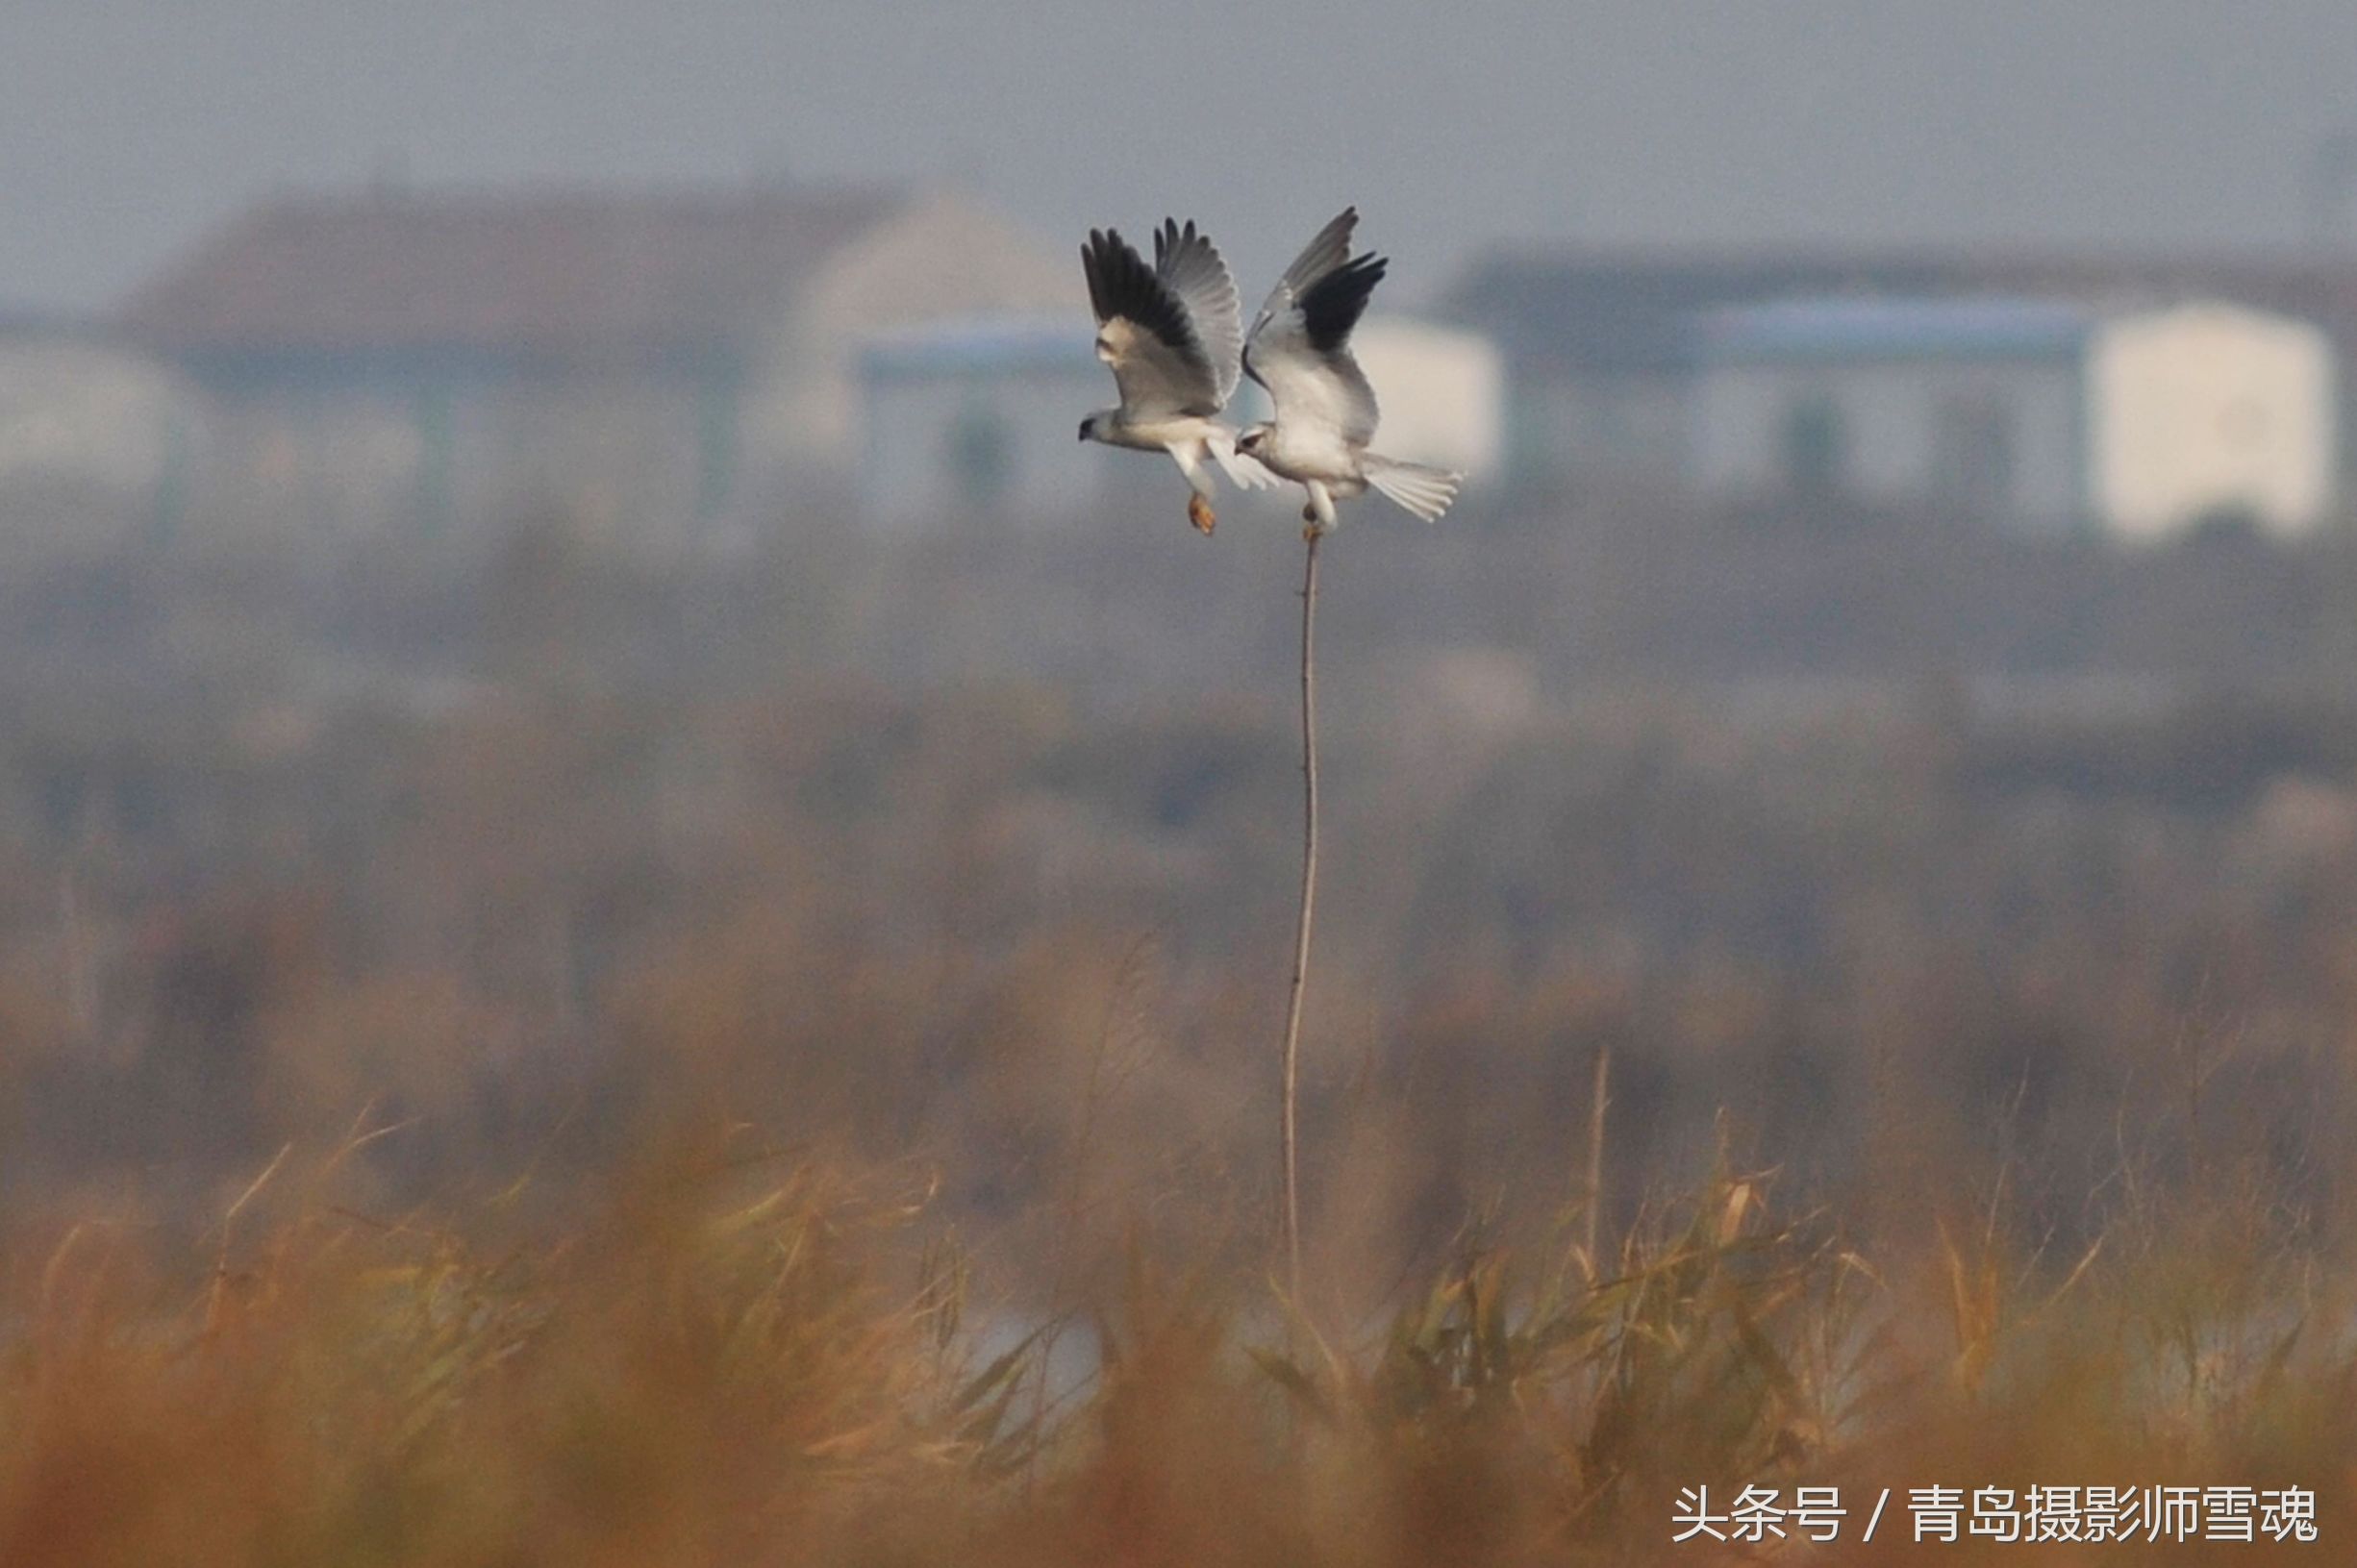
(732,1356)
(765,1057)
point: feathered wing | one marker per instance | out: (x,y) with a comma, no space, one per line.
(1419,489)
(1190,266)
(1145,333)
(1300,345)
(1320,257)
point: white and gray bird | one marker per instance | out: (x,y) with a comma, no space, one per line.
(1173,335)
(1323,412)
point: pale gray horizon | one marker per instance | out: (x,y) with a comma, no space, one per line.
(128,130)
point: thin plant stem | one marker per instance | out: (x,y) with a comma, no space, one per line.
(1301,929)
(1599,1098)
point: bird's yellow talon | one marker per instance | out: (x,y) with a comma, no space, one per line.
(1199,512)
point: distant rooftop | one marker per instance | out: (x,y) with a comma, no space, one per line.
(530,271)
(1581,308)
(981,344)
(1629,311)
(984,344)
(1851,328)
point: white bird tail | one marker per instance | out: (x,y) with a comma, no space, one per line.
(1421,489)
(1245,471)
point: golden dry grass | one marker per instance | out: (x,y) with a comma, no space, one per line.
(2054,1020)
(733,1358)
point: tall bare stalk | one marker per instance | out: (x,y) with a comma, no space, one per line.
(1301,929)
(1599,1099)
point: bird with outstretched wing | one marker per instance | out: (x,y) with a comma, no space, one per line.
(1173,335)
(1323,411)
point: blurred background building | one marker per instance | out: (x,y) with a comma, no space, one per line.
(640,356)
(2040,415)
(663,366)
(980,418)
(97,440)
(1604,349)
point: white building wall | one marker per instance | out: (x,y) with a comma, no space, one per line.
(1442,392)
(2210,406)
(1898,424)
(803,406)
(79,411)
(109,431)
(922,433)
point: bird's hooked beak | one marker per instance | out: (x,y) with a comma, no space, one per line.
(1085,426)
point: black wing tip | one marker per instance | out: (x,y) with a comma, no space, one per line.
(1121,284)
(1109,263)
(1104,259)
(1355,277)
(1174,237)
(1332,306)
(1327,252)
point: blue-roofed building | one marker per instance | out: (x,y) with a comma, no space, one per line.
(2038,414)
(1599,351)
(982,416)
(662,366)
(1844,329)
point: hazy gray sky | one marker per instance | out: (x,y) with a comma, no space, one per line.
(129,126)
